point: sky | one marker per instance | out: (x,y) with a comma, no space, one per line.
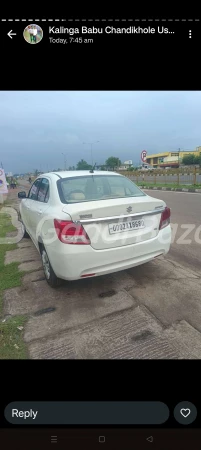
(36,127)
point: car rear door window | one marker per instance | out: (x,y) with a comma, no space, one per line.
(47,195)
(43,193)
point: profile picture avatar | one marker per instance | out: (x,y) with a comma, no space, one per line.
(33,34)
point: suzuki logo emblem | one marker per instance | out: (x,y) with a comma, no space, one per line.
(129,209)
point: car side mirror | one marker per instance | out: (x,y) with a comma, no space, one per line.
(22,194)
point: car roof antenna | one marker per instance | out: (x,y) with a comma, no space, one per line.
(92,170)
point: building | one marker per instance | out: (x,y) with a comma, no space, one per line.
(145,166)
(170,159)
(126,165)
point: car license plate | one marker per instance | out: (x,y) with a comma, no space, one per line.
(126,226)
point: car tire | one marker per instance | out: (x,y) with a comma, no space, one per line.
(25,234)
(50,276)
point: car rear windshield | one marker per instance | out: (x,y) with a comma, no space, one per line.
(96,187)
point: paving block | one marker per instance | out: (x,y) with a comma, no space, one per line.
(133,334)
(22,255)
(29,266)
(73,309)
(185,338)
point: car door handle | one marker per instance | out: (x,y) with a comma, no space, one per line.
(39,211)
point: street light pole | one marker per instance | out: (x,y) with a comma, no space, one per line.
(64,160)
(178,155)
(64,155)
(92,156)
(91,144)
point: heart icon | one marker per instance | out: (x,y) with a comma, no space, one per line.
(185,412)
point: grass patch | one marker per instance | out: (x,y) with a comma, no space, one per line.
(12,345)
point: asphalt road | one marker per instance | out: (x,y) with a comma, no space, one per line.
(185,217)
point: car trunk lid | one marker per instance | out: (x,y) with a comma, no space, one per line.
(118,222)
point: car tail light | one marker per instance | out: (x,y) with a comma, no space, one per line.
(71,233)
(165,218)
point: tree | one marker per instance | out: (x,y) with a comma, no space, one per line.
(36,172)
(189,160)
(197,160)
(113,162)
(83,165)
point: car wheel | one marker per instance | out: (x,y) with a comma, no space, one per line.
(50,276)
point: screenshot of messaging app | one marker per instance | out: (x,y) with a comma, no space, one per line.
(100,235)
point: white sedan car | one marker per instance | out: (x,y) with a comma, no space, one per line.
(86,224)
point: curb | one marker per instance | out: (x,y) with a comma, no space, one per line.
(170,189)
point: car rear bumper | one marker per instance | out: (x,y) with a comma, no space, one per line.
(71,262)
